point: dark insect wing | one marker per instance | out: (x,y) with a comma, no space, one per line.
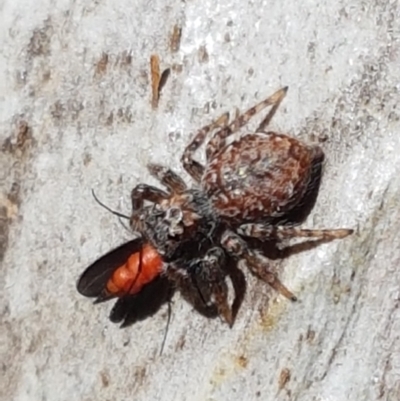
(132,308)
(94,279)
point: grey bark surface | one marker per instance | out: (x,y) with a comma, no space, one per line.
(75,114)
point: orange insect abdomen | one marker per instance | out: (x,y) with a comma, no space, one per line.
(140,269)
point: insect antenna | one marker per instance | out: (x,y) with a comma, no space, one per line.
(114,212)
(124,225)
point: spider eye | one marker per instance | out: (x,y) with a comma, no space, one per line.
(174,215)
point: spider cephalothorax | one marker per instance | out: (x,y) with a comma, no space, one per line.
(244,194)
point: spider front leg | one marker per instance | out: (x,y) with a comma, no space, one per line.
(266,232)
(212,272)
(194,168)
(217,141)
(256,262)
(168,178)
(139,195)
(191,291)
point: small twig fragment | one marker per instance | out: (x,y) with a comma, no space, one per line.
(175,40)
(284,378)
(158,80)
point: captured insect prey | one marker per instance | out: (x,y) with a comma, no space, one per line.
(130,273)
(251,195)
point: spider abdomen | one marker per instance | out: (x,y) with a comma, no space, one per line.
(260,176)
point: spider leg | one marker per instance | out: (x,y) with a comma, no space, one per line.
(144,192)
(266,231)
(194,168)
(256,262)
(139,195)
(168,178)
(278,97)
(212,273)
(217,141)
(239,284)
(199,298)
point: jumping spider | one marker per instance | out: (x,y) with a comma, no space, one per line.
(243,192)
(247,194)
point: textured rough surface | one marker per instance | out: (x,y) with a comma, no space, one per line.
(76,114)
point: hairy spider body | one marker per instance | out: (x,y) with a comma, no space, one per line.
(244,193)
(243,190)
(180,222)
(240,175)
